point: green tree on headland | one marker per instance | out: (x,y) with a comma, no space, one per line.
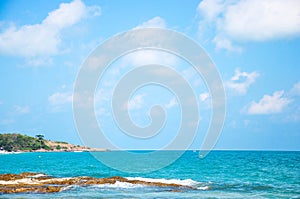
(18,142)
(40,137)
(58,147)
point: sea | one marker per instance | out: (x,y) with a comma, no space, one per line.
(221,174)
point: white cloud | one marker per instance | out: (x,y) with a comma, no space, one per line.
(224,43)
(269,104)
(250,20)
(241,81)
(21,110)
(57,99)
(204,96)
(296,89)
(156,22)
(147,56)
(210,9)
(143,57)
(263,20)
(66,15)
(172,103)
(44,39)
(135,103)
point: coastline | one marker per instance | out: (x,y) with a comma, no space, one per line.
(13,143)
(2,152)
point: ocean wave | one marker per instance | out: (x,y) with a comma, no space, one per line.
(127,185)
(186,182)
(39,175)
(119,185)
(204,188)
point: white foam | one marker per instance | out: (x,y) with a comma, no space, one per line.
(186,182)
(38,175)
(18,181)
(68,187)
(122,185)
(203,188)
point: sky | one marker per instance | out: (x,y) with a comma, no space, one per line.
(254,44)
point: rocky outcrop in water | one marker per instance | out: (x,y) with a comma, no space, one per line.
(41,183)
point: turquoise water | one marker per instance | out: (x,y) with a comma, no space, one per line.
(222,174)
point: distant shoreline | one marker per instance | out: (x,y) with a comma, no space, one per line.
(42,151)
(54,151)
(17,143)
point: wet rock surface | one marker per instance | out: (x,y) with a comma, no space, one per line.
(40,183)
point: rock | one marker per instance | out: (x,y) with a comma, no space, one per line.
(27,183)
(8,177)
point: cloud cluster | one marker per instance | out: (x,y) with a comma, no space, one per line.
(241,81)
(276,103)
(249,20)
(60,98)
(269,104)
(144,56)
(44,39)
(156,22)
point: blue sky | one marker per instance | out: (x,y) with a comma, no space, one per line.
(254,44)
